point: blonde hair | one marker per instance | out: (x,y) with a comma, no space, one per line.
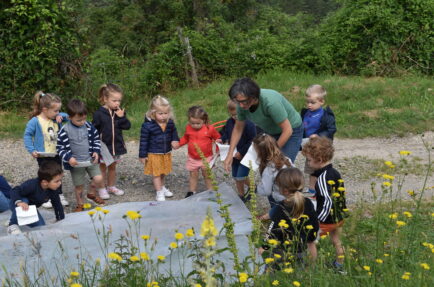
(291,180)
(159,102)
(106,89)
(268,151)
(316,90)
(319,148)
(43,100)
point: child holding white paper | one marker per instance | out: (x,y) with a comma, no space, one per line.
(239,171)
(35,192)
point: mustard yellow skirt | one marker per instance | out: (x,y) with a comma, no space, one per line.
(158,164)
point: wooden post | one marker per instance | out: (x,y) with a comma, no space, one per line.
(190,61)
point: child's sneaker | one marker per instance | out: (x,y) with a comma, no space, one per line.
(47,204)
(103,193)
(78,208)
(167,193)
(160,195)
(14,229)
(115,191)
(95,199)
(63,200)
(339,268)
(190,193)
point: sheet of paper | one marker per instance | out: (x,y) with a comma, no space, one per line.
(106,155)
(224,149)
(27,217)
(250,158)
(213,160)
(47,154)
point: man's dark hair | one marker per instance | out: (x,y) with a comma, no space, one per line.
(76,107)
(48,170)
(246,87)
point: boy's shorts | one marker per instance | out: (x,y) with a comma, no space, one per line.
(78,174)
(193,164)
(239,171)
(326,228)
(116,158)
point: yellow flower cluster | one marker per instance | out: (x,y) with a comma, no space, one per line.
(275,283)
(134,258)
(336,194)
(189,233)
(386,184)
(273,242)
(97,209)
(269,260)
(296,283)
(243,277)
(144,256)
(87,205)
(379,261)
(425,266)
(173,245)
(393,215)
(288,270)
(133,215)
(389,177)
(367,268)
(407,214)
(161,258)
(406,276)
(74,274)
(283,224)
(404,152)
(208,227)
(389,164)
(114,256)
(179,236)
(400,223)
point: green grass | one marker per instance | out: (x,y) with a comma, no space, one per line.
(364,107)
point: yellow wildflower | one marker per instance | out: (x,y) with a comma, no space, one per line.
(340,180)
(210,242)
(87,205)
(275,283)
(309,227)
(345,210)
(404,152)
(386,184)
(408,214)
(105,211)
(390,177)
(145,237)
(388,163)
(92,212)
(286,242)
(352,250)
(173,245)
(323,236)
(208,227)
(278,256)
(341,256)
(98,208)
(400,223)
(283,224)
(341,188)
(74,274)
(133,215)
(76,285)
(269,260)
(134,258)
(424,266)
(114,256)
(273,242)
(331,182)
(152,284)
(406,276)
(411,192)
(144,256)
(379,261)
(336,194)
(68,280)
(367,268)
(179,236)
(386,254)
(243,277)
(296,283)
(161,257)
(189,233)
(197,285)
(393,215)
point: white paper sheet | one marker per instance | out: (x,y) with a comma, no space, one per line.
(224,149)
(252,157)
(27,217)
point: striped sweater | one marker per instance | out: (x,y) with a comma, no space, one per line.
(64,148)
(330,195)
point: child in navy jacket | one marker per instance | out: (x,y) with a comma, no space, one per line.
(157,137)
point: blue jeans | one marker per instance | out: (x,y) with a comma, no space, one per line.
(4,202)
(292,146)
(14,219)
(239,171)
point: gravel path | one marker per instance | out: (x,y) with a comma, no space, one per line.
(17,165)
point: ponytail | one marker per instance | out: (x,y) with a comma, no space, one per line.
(43,100)
(296,202)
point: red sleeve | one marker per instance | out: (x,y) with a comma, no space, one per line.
(184,139)
(214,133)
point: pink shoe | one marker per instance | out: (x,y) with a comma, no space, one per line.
(115,190)
(103,193)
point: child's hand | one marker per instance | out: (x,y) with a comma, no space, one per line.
(143,160)
(120,112)
(219,141)
(35,154)
(95,157)
(23,205)
(238,156)
(59,119)
(175,145)
(72,161)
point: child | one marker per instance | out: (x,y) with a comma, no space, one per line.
(35,192)
(271,159)
(157,137)
(5,194)
(78,142)
(41,131)
(198,133)
(110,120)
(239,171)
(317,122)
(294,219)
(330,192)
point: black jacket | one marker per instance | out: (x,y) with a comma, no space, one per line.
(154,140)
(327,126)
(110,127)
(32,190)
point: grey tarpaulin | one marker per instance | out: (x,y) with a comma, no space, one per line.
(41,247)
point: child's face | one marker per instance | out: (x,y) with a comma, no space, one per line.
(313,103)
(78,120)
(113,101)
(233,113)
(195,123)
(162,114)
(52,111)
(314,164)
(54,183)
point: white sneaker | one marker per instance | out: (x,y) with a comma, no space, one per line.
(160,195)
(115,190)
(47,204)
(14,229)
(103,193)
(167,193)
(63,200)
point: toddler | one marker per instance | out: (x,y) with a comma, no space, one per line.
(110,119)
(330,192)
(35,192)
(239,171)
(198,133)
(317,121)
(294,219)
(40,136)
(157,137)
(79,146)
